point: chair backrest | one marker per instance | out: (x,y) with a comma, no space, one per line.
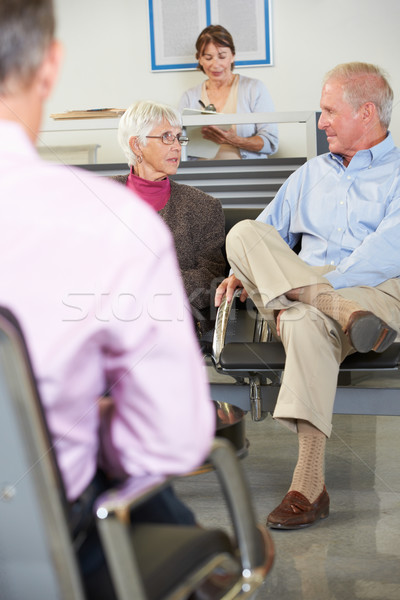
(37,559)
(36,554)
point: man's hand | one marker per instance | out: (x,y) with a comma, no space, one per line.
(278,321)
(228,286)
(294,294)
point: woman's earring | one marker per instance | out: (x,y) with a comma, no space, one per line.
(139,158)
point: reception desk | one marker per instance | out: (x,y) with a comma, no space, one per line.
(308,119)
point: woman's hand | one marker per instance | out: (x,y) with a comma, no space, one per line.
(219,136)
(213,133)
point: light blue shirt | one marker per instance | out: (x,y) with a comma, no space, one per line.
(347,217)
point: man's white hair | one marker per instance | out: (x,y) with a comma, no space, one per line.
(364,82)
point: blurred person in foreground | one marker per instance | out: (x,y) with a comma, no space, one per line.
(150,134)
(91,274)
(230,93)
(341,293)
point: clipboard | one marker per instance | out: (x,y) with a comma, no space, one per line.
(197,145)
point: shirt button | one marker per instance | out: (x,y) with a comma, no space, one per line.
(341,202)
(339,229)
(332,262)
(348,176)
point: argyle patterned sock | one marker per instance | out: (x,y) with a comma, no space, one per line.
(308,476)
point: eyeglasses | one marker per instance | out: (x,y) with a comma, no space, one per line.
(169,138)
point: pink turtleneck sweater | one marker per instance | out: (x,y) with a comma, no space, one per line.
(155,193)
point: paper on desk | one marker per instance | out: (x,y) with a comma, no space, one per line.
(198,146)
(91,113)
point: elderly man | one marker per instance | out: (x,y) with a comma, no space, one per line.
(342,291)
(91,273)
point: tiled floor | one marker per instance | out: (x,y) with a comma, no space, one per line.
(355,553)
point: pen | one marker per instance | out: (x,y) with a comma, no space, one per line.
(209,108)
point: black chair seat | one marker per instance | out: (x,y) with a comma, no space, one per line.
(168,554)
(253,356)
(270,356)
(390,359)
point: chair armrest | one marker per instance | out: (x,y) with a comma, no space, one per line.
(112,510)
(130,494)
(245,326)
(221,325)
(251,543)
(118,502)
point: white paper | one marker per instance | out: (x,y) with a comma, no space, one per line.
(198,146)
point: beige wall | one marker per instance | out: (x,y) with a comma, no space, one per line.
(107,60)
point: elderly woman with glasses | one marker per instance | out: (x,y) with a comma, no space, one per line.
(150,135)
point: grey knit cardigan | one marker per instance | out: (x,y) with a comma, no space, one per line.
(197,223)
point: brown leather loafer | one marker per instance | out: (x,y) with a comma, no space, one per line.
(295,511)
(368,332)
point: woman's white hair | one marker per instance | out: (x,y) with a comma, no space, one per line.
(140,119)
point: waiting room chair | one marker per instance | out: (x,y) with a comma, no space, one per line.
(244,349)
(148,562)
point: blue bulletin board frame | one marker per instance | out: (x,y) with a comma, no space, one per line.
(207,13)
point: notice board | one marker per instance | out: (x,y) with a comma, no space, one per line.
(176,24)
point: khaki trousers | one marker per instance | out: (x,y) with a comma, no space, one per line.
(315,344)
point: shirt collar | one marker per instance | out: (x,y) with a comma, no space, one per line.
(370,155)
(14,140)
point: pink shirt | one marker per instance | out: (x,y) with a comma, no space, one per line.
(91,274)
(155,193)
